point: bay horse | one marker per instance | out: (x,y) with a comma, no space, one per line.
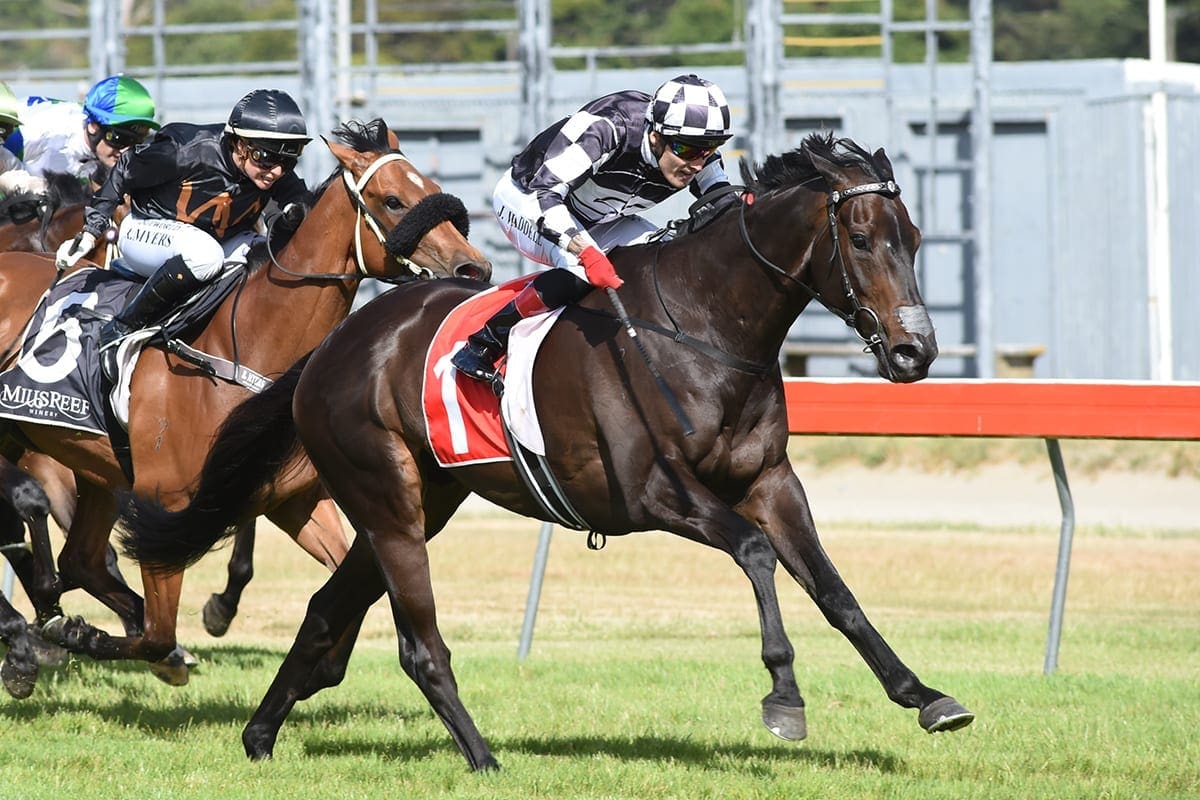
(823,222)
(376,216)
(40,223)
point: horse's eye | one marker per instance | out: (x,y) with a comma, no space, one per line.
(859,241)
(393,203)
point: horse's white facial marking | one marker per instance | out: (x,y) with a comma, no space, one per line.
(915,320)
(417,181)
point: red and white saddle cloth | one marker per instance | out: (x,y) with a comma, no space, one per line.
(463,415)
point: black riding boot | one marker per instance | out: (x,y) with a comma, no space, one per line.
(478,358)
(551,289)
(171,284)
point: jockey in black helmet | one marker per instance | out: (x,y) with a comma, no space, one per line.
(196,192)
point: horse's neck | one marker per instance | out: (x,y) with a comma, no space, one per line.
(746,304)
(279,316)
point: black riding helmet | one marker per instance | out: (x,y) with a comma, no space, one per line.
(270,120)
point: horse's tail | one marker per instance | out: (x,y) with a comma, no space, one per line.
(253,444)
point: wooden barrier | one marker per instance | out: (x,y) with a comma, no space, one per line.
(1049,410)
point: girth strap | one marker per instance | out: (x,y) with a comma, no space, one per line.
(219,367)
(535,473)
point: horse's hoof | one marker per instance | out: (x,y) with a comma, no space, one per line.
(171,670)
(216,618)
(47,653)
(786,722)
(19,679)
(945,714)
(259,742)
(190,659)
(54,630)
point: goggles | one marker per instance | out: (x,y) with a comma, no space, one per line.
(6,131)
(266,160)
(689,152)
(125,137)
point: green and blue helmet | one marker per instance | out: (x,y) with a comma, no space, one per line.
(120,101)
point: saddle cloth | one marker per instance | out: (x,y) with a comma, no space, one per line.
(463,415)
(57,379)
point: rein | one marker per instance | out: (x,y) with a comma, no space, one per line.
(870,333)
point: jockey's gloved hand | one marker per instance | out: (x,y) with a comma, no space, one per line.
(71,251)
(291,216)
(599,270)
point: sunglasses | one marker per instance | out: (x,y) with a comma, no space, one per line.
(689,152)
(265,159)
(124,138)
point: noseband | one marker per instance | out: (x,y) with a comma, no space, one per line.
(363,214)
(870,330)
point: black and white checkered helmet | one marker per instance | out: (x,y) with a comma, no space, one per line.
(690,109)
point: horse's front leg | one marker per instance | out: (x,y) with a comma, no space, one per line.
(84,560)
(711,522)
(154,637)
(779,503)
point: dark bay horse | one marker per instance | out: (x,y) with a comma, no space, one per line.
(822,222)
(376,216)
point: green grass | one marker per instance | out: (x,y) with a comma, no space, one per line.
(645,680)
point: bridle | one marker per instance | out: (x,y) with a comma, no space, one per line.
(872,338)
(861,319)
(363,214)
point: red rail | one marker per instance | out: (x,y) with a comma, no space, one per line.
(1049,410)
(1016,408)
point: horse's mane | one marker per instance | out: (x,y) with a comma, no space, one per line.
(795,167)
(365,137)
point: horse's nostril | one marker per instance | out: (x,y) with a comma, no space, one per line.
(472,271)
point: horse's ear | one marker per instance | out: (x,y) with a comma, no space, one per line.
(345,155)
(884,163)
(834,175)
(393,139)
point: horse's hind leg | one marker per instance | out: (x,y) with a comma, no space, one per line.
(778,500)
(221,607)
(28,505)
(19,669)
(318,656)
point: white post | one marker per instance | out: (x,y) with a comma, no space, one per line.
(1158,244)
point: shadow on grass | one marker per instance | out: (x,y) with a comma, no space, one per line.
(752,759)
(68,690)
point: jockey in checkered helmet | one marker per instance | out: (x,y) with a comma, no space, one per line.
(579,188)
(692,110)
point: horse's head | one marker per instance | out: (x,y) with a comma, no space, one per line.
(869,278)
(408,226)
